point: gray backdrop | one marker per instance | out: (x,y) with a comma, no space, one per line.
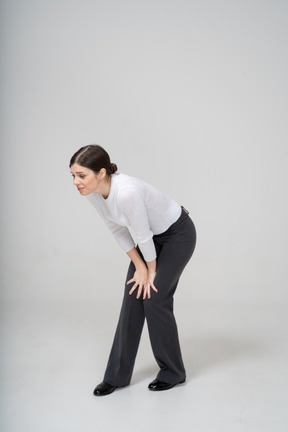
(190,96)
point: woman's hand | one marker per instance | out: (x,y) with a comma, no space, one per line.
(140,280)
(149,285)
(144,280)
(144,275)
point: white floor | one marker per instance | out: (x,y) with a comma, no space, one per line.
(54,353)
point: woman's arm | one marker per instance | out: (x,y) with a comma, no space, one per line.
(144,275)
(151,265)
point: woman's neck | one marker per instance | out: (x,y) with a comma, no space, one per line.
(106,188)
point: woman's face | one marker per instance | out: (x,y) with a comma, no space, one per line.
(86,180)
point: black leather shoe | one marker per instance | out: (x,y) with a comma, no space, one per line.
(157,385)
(104,389)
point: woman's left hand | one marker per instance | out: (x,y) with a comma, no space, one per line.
(140,279)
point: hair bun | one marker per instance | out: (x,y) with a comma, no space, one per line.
(113,168)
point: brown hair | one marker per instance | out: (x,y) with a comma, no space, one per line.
(94,157)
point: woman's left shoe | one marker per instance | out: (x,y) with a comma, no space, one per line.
(104,389)
(157,385)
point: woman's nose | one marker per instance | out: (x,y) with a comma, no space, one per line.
(75,181)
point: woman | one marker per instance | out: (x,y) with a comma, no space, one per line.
(166,240)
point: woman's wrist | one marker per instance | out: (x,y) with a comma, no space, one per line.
(151,267)
(136,259)
(141,266)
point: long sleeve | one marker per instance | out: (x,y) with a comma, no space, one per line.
(131,202)
(122,235)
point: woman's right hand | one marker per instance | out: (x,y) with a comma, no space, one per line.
(150,284)
(140,280)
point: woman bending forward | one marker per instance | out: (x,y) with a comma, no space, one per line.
(166,240)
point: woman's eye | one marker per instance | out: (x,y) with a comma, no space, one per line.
(82,176)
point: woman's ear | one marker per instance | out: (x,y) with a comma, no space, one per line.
(102,173)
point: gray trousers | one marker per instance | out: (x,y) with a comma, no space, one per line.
(174,248)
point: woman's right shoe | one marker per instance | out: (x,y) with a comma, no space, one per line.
(104,389)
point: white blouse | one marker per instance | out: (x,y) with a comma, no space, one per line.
(138,206)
